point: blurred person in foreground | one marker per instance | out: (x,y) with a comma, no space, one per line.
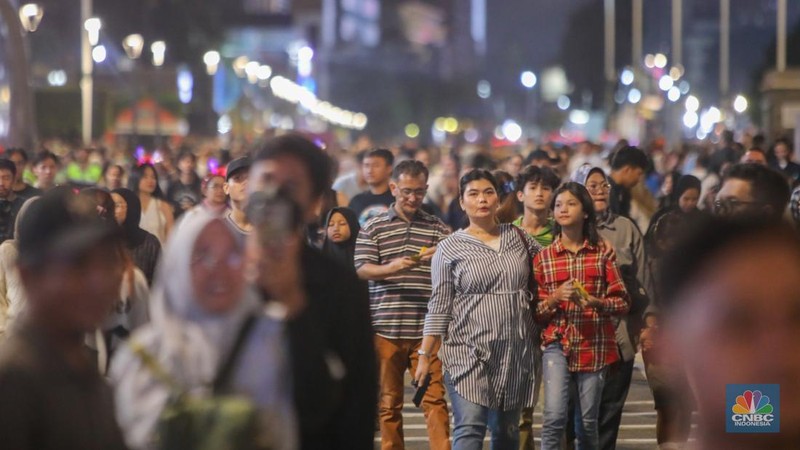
(752,190)
(326,307)
(731,301)
(52,395)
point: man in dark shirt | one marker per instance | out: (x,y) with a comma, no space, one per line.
(9,202)
(628,165)
(20,159)
(377,168)
(52,394)
(326,307)
(184,191)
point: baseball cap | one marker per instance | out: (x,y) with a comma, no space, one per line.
(61,224)
(236,165)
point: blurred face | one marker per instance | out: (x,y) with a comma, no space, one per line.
(77,294)
(782,152)
(568,210)
(120,208)
(424,157)
(666,186)
(45,173)
(82,156)
(735,198)
(514,165)
(148,182)
(630,176)
(739,322)
(376,171)
(113,178)
(598,188)
(338,228)
(688,200)
(289,173)
(236,187)
(753,157)
(536,196)
(215,192)
(186,165)
(20,162)
(217,275)
(479,200)
(6,183)
(409,192)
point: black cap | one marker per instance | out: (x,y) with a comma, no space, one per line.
(237,165)
(61,224)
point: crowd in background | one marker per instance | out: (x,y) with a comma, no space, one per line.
(309,279)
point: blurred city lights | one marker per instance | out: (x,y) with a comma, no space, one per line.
(99,54)
(239,65)
(133,45)
(709,118)
(690,119)
(185,83)
(251,70)
(666,82)
(30,15)
(263,72)
(740,104)
(627,77)
(528,79)
(579,117)
(674,94)
(304,56)
(676,72)
(438,124)
(92,27)
(158,48)
(451,125)
(412,130)
(484,89)
(211,59)
(57,78)
(684,87)
(563,102)
(692,103)
(634,96)
(471,135)
(511,130)
(650,61)
(660,60)
(292,92)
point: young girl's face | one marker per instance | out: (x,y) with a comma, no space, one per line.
(338,228)
(568,210)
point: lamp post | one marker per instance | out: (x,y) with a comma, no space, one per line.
(21,119)
(87,83)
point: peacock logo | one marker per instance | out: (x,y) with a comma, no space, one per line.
(752,402)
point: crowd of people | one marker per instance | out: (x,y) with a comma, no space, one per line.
(277,298)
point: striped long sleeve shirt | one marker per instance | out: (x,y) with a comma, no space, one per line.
(399,302)
(481,307)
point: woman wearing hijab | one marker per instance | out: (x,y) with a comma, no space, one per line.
(341,231)
(684,200)
(199,306)
(12,296)
(144,247)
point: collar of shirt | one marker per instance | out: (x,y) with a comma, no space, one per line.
(606,220)
(392,214)
(559,247)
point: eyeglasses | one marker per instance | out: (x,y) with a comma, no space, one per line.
(727,205)
(602,187)
(210,262)
(419,193)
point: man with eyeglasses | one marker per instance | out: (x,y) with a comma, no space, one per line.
(752,190)
(393,252)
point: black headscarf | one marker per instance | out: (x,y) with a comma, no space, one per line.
(134,234)
(343,251)
(683,184)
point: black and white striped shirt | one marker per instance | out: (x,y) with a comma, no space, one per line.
(481,308)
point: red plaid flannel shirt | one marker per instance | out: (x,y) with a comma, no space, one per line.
(586,335)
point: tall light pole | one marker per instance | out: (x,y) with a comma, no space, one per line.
(87,84)
(677,33)
(609,43)
(638,11)
(781,38)
(724,47)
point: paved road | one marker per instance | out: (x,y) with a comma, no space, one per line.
(637,432)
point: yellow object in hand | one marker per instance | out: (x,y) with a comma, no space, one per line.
(418,256)
(580,289)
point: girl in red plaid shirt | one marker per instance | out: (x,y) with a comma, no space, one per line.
(580,294)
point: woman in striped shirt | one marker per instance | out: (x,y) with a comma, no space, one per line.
(580,289)
(480,315)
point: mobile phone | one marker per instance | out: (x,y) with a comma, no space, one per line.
(419,394)
(418,256)
(274,215)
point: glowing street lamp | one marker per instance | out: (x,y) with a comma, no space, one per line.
(158,48)
(528,79)
(92,27)
(211,59)
(133,45)
(740,104)
(30,15)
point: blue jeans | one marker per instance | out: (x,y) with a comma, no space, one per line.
(557,378)
(471,421)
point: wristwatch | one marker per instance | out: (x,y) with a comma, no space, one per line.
(423,353)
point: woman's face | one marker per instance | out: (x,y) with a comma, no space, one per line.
(148,182)
(666,186)
(120,208)
(568,210)
(598,188)
(688,200)
(479,199)
(216,265)
(338,228)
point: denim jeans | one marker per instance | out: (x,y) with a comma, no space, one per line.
(471,421)
(556,396)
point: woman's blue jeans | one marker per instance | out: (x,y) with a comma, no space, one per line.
(557,378)
(472,420)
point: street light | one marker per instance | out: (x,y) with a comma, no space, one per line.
(740,104)
(211,58)
(239,65)
(251,70)
(158,48)
(528,79)
(99,54)
(133,45)
(92,27)
(30,15)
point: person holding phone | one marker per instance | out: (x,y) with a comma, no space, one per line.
(481,322)
(579,290)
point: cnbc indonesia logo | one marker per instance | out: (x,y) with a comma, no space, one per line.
(752,410)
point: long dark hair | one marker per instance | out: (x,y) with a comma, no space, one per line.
(580,192)
(137,173)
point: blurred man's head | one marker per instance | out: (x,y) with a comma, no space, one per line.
(377,167)
(783,150)
(8,174)
(236,176)
(628,165)
(754,156)
(731,295)
(45,167)
(296,164)
(20,158)
(752,190)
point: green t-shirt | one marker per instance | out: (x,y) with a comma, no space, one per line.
(546,236)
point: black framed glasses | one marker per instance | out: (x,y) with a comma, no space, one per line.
(728,205)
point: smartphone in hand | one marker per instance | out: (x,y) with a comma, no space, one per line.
(419,394)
